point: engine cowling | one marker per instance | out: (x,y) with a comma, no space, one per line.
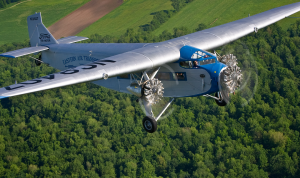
(230,77)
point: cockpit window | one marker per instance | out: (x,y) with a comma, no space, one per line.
(207,61)
(186,64)
(196,64)
(199,54)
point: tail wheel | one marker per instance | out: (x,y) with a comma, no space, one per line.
(220,102)
(149,124)
(38,63)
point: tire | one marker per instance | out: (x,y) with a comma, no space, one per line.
(38,63)
(149,124)
(220,102)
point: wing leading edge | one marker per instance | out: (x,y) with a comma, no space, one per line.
(152,55)
(97,70)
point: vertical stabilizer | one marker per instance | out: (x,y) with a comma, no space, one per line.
(38,33)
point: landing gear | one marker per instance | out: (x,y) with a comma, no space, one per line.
(220,101)
(38,61)
(149,124)
(150,91)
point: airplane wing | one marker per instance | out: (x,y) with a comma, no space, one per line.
(24,51)
(151,55)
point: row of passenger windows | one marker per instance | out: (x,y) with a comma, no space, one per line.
(180,76)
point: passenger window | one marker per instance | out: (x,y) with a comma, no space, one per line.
(180,76)
(189,64)
(124,76)
(163,76)
(186,64)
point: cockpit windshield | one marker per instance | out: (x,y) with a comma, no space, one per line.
(195,58)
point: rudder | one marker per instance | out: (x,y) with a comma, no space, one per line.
(38,33)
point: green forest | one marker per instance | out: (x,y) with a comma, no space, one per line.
(3,3)
(89,131)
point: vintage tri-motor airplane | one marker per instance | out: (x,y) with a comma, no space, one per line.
(143,69)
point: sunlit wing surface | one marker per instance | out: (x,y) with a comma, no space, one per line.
(226,33)
(24,51)
(152,55)
(71,39)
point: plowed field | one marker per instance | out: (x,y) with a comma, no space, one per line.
(81,18)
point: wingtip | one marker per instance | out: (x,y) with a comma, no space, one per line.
(7,56)
(2,97)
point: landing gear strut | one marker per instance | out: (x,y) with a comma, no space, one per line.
(149,122)
(220,101)
(150,91)
(38,61)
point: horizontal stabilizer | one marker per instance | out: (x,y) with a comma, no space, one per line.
(24,51)
(71,39)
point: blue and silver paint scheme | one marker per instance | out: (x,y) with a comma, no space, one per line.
(95,62)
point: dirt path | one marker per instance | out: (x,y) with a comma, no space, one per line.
(81,18)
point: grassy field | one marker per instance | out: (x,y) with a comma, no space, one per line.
(14,17)
(131,14)
(134,13)
(217,12)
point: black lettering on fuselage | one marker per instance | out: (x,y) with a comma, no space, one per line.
(9,88)
(91,66)
(107,61)
(34,82)
(50,77)
(99,63)
(34,18)
(70,71)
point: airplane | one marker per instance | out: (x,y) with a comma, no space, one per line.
(180,67)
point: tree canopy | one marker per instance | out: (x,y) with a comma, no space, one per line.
(89,131)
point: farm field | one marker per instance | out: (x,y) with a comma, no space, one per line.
(216,12)
(13,19)
(131,14)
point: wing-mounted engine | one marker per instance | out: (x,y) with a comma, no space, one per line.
(150,91)
(148,88)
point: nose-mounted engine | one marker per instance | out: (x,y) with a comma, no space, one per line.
(230,78)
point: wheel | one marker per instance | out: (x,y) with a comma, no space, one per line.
(220,102)
(38,63)
(149,124)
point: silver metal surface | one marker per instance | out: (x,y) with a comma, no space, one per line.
(135,89)
(147,106)
(71,39)
(212,97)
(24,51)
(153,91)
(138,58)
(164,109)
(39,35)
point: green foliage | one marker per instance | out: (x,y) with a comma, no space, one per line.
(89,131)
(14,18)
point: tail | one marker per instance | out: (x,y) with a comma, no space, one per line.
(38,33)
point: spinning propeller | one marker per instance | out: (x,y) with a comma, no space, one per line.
(240,77)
